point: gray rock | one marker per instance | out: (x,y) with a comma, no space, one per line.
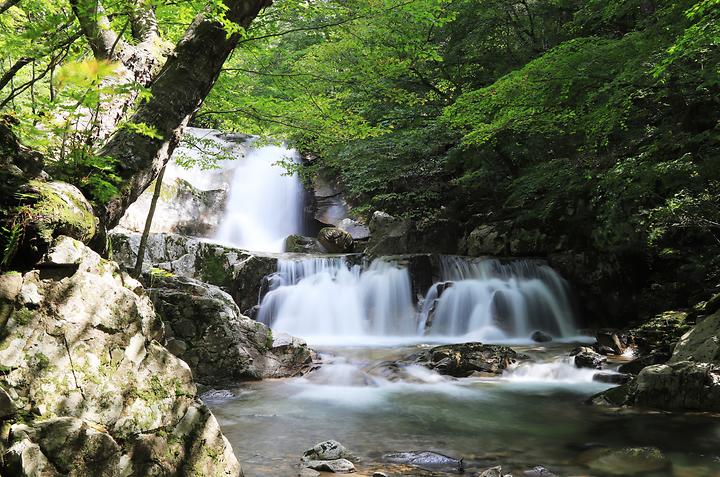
(588,358)
(182,208)
(308,473)
(610,339)
(327,450)
(492,472)
(357,230)
(238,272)
(638,364)
(685,382)
(427,459)
(538,471)
(388,235)
(220,344)
(337,466)
(89,363)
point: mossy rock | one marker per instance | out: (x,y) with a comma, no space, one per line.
(60,209)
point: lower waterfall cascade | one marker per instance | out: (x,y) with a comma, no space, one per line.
(326,298)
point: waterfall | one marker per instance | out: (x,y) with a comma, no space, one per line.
(488,300)
(324,299)
(265,202)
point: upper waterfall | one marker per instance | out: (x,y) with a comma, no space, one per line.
(265,202)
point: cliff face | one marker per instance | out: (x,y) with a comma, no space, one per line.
(86,388)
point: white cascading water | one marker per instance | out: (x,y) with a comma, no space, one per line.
(321,299)
(488,300)
(324,299)
(265,202)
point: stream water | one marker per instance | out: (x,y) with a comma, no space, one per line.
(533,415)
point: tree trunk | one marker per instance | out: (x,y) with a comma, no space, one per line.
(177,93)
(148,223)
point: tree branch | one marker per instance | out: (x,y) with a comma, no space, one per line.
(10,73)
(95,26)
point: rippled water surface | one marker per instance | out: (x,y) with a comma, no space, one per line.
(535,415)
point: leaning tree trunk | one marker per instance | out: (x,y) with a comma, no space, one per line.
(177,93)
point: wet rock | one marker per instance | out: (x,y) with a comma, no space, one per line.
(301,244)
(685,382)
(612,378)
(217,395)
(628,461)
(427,459)
(492,472)
(610,339)
(308,473)
(338,466)
(462,360)
(540,337)
(335,240)
(104,393)
(638,364)
(588,358)
(327,450)
(219,343)
(660,333)
(379,474)
(538,471)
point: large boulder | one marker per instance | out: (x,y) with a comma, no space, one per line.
(181,208)
(388,235)
(462,360)
(205,328)
(690,380)
(236,271)
(92,391)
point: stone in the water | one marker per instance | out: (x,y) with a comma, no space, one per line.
(629,461)
(335,240)
(216,395)
(538,471)
(327,450)
(612,340)
(427,459)
(611,378)
(379,474)
(492,472)
(338,466)
(306,472)
(462,360)
(588,358)
(540,337)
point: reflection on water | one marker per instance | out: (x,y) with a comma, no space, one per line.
(535,415)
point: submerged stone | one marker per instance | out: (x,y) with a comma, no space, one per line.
(427,459)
